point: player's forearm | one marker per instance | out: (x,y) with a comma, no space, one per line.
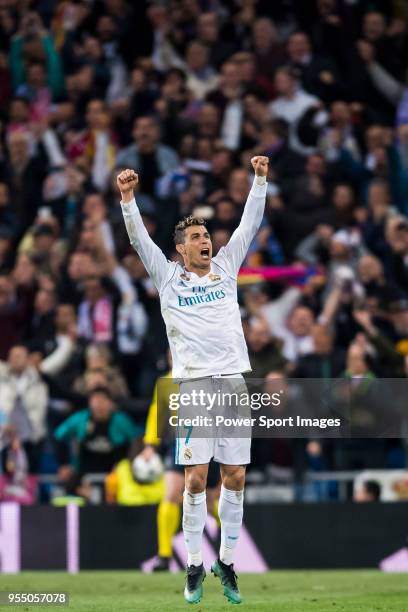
(127,197)
(238,245)
(254,207)
(135,228)
(130,214)
(150,254)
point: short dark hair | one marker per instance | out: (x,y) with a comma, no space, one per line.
(101,391)
(150,118)
(176,71)
(179,230)
(287,69)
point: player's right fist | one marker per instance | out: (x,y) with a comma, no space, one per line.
(127,181)
(260,165)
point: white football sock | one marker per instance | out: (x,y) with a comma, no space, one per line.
(230,510)
(194,517)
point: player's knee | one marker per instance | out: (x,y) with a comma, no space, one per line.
(234,479)
(195,482)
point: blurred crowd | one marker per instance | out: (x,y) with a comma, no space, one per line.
(186,92)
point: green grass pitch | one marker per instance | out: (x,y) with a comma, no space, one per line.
(280,591)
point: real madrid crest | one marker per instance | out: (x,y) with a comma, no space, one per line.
(188,454)
(214,277)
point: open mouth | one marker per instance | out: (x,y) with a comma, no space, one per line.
(205,253)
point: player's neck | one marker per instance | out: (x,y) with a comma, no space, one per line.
(198,271)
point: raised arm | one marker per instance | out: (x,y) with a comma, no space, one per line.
(236,249)
(152,257)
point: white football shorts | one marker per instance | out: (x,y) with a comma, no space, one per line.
(228,442)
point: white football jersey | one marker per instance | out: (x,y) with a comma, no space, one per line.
(201,313)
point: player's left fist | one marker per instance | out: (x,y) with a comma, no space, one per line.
(260,165)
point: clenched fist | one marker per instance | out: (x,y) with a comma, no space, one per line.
(260,165)
(126,182)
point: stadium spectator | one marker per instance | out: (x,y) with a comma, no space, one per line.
(16,484)
(41,329)
(96,312)
(264,351)
(293,327)
(324,360)
(23,401)
(24,173)
(201,76)
(31,43)
(209,33)
(290,105)
(148,155)
(60,355)
(269,53)
(95,147)
(318,75)
(102,435)
(98,362)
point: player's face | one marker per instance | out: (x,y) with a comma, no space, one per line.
(197,248)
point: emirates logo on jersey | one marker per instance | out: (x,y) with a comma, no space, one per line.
(201,298)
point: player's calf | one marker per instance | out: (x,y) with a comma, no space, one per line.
(230,509)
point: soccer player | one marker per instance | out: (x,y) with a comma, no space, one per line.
(200,309)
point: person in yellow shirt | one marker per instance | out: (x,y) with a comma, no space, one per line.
(122,488)
(169,510)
